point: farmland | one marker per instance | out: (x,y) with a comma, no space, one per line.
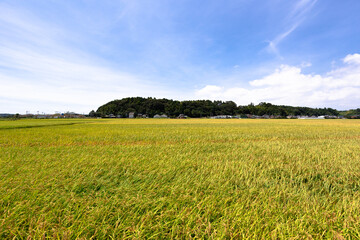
(179,178)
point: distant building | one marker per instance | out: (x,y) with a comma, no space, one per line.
(5,115)
(312,117)
(222,117)
(131,114)
(42,116)
(72,115)
(160,116)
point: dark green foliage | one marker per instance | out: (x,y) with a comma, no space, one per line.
(92,113)
(172,108)
(354,113)
(283,111)
(202,108)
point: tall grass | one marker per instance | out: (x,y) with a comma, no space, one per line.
(184,179)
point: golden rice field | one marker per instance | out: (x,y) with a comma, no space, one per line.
(180,179)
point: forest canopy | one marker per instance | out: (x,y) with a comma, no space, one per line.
(205,108)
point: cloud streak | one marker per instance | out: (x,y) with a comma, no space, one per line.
(295,18)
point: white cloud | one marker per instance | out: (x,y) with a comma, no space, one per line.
(305,64)
(287,85)
(354,58)
(35,77)
(211,90)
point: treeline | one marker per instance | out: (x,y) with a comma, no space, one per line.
(353,113)
(201,108)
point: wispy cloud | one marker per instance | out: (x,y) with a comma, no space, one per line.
(289,86)
(296,16)
(36,65)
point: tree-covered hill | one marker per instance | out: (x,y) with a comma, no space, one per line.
(202,108)
(353,113)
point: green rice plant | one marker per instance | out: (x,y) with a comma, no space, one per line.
(179,178)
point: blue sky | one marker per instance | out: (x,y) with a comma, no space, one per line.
(77,55)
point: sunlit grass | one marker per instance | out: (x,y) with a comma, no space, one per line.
(199,178)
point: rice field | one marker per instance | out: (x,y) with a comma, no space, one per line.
(179,179)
